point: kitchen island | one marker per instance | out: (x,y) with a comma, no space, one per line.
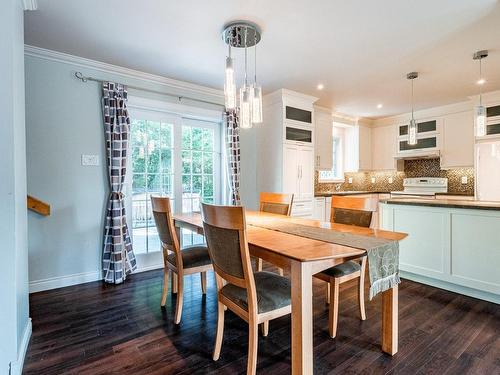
(451,244)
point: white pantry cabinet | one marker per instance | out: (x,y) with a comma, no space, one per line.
(323,147)
(458,140)
(285,148)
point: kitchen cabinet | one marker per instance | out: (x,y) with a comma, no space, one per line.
(384,147)
(358,155)
(285,164)
(458,140)
(319,208)
(323,148)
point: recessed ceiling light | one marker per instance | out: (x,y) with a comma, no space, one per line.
(320,86)
(481,81)
(379,106)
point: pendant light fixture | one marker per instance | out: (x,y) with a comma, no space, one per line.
(413,126)
(243,34)
(480,110)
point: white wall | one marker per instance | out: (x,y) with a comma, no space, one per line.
(15,326)
(63,120)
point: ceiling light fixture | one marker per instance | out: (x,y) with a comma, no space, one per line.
(480,110)
(413,126)
(242,34)
(379,106)
(320,86)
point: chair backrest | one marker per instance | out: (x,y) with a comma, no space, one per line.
(353,210)
(276,203)
(225,233)
(162,212)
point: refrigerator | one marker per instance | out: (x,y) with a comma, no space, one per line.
(488,170)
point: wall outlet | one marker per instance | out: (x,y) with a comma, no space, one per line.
(373,180)
(350,180)
(390,180)
(464,180)
(90,160)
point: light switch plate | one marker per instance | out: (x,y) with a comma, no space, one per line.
(90,160)
(464,180)
(390,180)
(350,180)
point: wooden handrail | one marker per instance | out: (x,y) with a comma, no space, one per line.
(38,206)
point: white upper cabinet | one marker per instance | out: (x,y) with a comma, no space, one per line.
(458,140)
(324,140)
(358,149)
(384,142)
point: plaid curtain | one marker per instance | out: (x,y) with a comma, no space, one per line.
(118,256)
(231,122)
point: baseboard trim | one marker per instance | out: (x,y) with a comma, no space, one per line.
(479,294)
(62,281)
(75,279)
(16,368)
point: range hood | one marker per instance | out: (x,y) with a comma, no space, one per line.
(418,154)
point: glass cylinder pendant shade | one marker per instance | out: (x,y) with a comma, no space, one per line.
(480,120)
(245,108)
(412,132)
(229,85)
(257,105)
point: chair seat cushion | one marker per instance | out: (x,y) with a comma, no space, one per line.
(343,269)
(273,292)
(192,256)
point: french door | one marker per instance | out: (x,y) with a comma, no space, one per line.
(171,156)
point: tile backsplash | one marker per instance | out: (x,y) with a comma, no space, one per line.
(412,168)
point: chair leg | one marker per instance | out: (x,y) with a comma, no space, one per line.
(165,288)
(174,282)
(203,276)
(327,293)
(220,330)
(361,290)
(180,295)
(253,338)
(259,264)
(265,328)
(333,312)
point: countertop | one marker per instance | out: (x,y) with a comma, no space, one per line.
(447,203)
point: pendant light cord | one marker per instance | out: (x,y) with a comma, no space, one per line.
(255,61)
(480,86)
(412,99)
(246,80)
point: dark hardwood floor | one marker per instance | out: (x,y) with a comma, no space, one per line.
(100,329)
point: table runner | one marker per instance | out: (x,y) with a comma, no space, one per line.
(383,254)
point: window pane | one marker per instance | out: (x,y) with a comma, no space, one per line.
(186,183)
(154,184)
(197,185)
(167,185)
(186,137)
(166,160)
(138,183)
(138,133)
(166,135)
(153,157)
(208,164)
(138,160)
(186,162)
(197,138)
(208,186)
(186,205)
(208,139)
(196,162)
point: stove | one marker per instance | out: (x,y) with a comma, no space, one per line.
(422,187)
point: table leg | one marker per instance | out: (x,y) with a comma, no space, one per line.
(390,321)
(302,325)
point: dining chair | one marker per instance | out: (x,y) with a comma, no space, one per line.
(177,261)
(350,211)
(275,203)
(256,297)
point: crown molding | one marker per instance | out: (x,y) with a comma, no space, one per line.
(29,4)
(83,62)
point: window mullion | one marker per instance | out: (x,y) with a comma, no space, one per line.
(177,157)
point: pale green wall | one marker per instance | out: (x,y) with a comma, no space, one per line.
(63,120)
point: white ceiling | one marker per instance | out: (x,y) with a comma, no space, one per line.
(360,50)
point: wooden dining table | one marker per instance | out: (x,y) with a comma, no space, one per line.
(305,257)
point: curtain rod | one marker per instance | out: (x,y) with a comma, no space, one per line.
(84,79)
